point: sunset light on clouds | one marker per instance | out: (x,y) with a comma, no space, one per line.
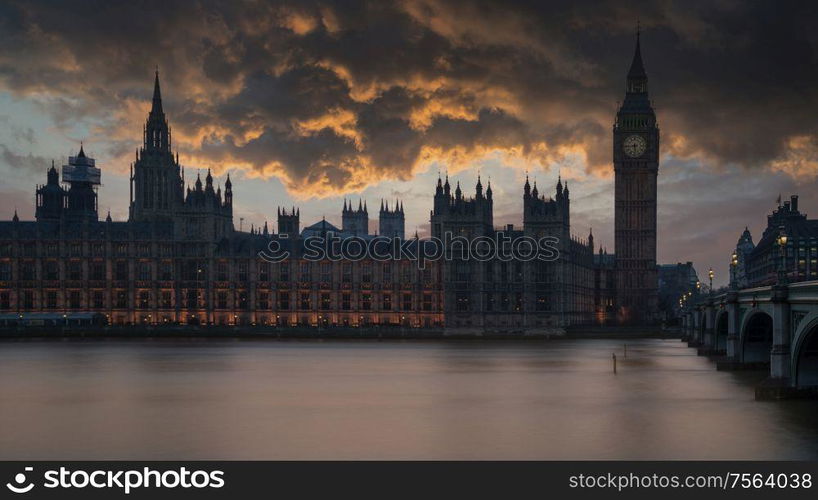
(308,102)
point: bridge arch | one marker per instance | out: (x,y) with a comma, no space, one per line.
(757,337)
(720,330)
(805,352)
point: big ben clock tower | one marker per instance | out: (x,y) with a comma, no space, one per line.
(636,165)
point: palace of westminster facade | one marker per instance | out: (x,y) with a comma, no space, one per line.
(179,259)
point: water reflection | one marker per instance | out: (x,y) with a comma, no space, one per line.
(324,400)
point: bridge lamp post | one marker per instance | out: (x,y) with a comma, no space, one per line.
(734,270)
(710,273)
(782,264)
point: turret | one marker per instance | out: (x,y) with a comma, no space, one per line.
(289,223)
(50,197)
(355,221)
(228,191)
(391,223)
(83,178)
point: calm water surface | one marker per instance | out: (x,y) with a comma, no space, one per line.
(386,400)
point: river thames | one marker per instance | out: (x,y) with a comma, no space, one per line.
(216,399)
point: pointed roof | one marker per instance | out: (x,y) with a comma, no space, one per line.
(157,95)
(322,225)
(637,67)
(81,154)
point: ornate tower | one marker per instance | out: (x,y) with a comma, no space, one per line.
(83,177)
(461,215)
(288,223)
(157,186)
(636,165)
(355,222)
(391,223)
(50,197)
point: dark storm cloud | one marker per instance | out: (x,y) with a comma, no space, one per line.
(336,95)
(21,162)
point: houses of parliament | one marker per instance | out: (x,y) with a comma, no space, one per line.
(179,259)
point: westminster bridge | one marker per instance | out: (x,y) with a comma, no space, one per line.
(773,327)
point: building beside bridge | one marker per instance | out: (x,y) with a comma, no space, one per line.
(760,264)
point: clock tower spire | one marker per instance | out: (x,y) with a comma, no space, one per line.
(636,166)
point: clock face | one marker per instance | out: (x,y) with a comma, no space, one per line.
(634,145)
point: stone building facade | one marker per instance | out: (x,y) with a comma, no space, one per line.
(178,259)
(512,294)
(763,263)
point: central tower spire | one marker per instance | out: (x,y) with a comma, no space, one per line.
(157,131)
(156,179)
(157,95)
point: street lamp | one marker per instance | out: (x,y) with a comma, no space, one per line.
(782,244)
(734,270)
(710,273)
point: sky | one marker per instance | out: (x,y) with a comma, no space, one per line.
(309,102)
